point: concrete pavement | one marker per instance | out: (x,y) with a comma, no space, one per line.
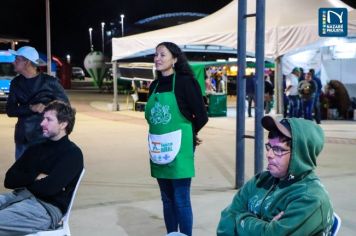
(118,197)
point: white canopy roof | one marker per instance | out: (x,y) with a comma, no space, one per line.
(290,24)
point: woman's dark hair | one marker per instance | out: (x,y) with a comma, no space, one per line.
(64,113)
(182,66)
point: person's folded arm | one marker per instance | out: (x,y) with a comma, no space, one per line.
(22,173)
(65,171)
(302,217)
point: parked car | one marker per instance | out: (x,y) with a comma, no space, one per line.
(78,73)
(7,73)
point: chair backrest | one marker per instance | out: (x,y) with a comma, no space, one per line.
(64,230)
(65,218)
(336,225)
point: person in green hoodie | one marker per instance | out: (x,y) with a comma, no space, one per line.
(288,198)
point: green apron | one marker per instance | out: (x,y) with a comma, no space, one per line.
(170,138)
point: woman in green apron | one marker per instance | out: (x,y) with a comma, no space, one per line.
(175,112)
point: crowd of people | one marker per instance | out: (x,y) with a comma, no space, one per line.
(286,199)
(302,95)
(215,80)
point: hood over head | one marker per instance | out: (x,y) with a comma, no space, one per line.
(307,143)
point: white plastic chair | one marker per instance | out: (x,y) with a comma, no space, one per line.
(64,229)
(336,225)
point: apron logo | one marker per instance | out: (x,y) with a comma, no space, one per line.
(160,114)
(163,148)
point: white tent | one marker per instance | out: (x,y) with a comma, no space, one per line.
(216,29)
(290,25)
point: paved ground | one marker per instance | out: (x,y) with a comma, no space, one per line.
(118,196)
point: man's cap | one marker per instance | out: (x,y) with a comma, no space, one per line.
(270,124)
(27,52)
(296,69)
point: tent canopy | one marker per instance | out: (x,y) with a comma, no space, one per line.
(9,39)
(290,25)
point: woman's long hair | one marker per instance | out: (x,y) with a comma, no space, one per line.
(181,67)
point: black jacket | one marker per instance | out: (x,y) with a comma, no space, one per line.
(25,92)
(269,89)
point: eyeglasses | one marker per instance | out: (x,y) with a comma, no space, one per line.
(278,151)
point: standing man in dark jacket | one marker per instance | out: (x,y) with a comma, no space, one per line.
(250,92)
(44,178)
(30,92)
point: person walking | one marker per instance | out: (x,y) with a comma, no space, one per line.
(30,92)
(250,92)
(175,112)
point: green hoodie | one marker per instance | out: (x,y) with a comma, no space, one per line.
(302,197)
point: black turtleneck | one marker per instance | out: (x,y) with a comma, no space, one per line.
(188,95)
(61,160)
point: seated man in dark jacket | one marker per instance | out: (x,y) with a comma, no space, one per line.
(43,178)
(288,198)
(30,91)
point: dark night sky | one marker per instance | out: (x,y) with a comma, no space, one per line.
(70,20)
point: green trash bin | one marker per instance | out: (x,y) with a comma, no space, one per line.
(217,105)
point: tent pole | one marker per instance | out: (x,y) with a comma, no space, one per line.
(115,105)
(260,84)
(241,94)
(48,38)
(278,81)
